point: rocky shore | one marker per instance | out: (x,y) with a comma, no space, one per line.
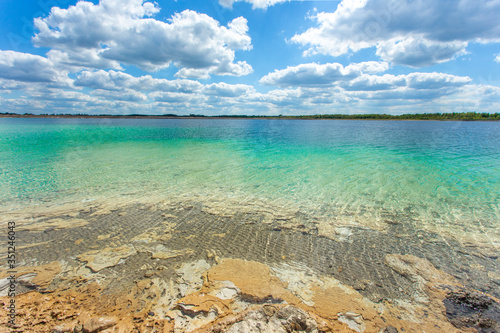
(187,266)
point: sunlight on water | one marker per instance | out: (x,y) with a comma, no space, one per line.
(445,175)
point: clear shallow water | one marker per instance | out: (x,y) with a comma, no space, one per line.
(446,174)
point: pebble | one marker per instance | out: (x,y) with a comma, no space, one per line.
(149,273)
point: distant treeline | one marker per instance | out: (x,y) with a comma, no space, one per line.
(466,116)
(413,116)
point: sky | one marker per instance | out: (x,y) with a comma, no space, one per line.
(252,57)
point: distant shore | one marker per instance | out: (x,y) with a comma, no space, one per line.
(468,116)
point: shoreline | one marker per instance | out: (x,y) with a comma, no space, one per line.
(183,267)
(447,117)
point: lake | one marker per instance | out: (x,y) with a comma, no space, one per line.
(332,196)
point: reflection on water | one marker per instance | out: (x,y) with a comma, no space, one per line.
(446,174)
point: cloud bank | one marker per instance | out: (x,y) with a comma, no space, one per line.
(93,48)
(25,67)
(116,32)
(412,33)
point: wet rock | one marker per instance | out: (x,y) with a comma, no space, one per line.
(362,285)
(478,321)
(167,254)
(149,273)
(98,324)
(419,272)
(101,237)
(495,277)
(48,226)
(212,255)
(467,308)
(470,299)
(99,259)
(359,286)
(343,233)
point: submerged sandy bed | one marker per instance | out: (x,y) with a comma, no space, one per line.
(192,266)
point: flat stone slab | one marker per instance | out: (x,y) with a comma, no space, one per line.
(107,257)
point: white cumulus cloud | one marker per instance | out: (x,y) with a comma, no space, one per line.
(313,74)
(414,33)
(27,67)
(361,81)
(114,80)
(223,89)
(123,32)
(419,52)
(131,88)
(435,80)
(375,82)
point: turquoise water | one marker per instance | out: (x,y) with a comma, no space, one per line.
(445,174)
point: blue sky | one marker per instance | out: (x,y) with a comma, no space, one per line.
(262,57)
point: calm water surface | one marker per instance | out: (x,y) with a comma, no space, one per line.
(444,173)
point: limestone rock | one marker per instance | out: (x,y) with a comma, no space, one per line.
(108,257)
(495,277)
(98,324)
(190,276)
(470,308)
(417,268)
(196,310)
(257,322)
(166,254)
(353,320)
(294,319)
(389,329)
(63,328)
(36,276)
(419,271)
(287,319)
(227,290)
(54,224)
(255,280)
(4,287)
